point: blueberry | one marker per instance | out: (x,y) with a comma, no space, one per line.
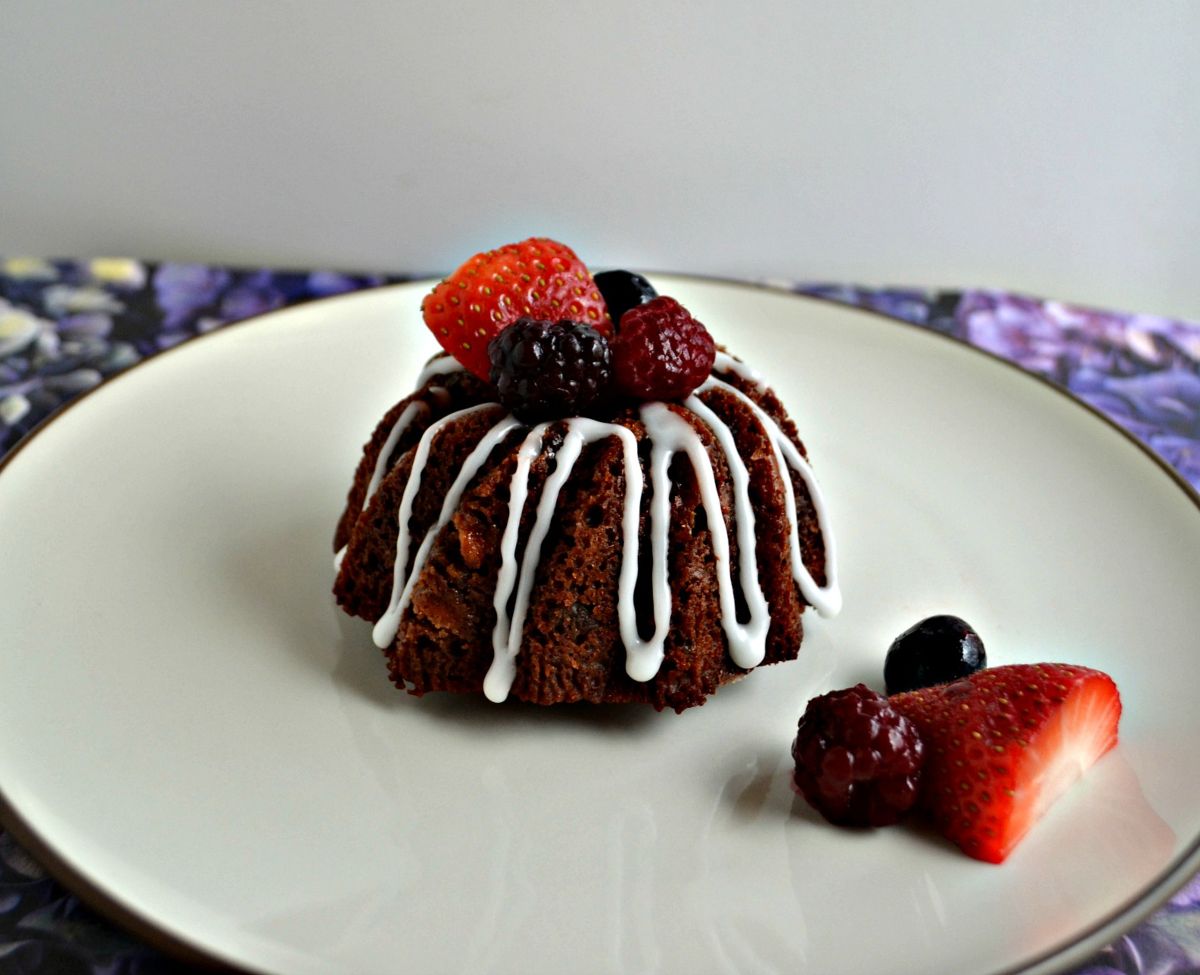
(935,651)
(622,290)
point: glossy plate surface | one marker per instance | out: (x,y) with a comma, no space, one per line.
(190,727)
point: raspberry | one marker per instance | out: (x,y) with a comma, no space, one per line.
(858,760)
(661,352)
(546,370)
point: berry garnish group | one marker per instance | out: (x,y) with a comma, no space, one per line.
(556,342)
(988,750)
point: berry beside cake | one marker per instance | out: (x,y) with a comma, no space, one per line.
(985,753)
(584,499)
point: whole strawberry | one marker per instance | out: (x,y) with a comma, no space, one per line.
(1003,744)
(661,352)
(537,278)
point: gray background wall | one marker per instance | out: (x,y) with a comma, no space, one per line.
(1051,147)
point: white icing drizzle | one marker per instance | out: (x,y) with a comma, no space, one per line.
(506,635)
(744,371)
(387,624)
(442,365)
(669,434)
(414,409)
(747,644)
(827,600)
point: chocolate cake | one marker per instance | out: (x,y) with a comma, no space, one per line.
(650,553)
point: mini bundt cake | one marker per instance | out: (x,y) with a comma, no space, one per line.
(649,551)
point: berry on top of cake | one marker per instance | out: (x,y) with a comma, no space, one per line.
(583,500)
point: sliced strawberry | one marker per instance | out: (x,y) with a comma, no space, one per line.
(1003,744)
(537,278)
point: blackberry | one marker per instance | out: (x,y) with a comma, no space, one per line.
(548,370)
(935,651)
(661,352)
(858,760)
(622,290)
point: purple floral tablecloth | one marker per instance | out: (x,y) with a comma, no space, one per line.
(66,325)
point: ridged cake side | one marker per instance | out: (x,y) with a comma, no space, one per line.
(570,646)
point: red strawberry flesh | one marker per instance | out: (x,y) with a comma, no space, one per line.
(1003,744)
(536,278)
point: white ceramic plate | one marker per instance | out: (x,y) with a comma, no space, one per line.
(189,730)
